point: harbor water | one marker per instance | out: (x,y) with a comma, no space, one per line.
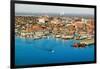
(50,50)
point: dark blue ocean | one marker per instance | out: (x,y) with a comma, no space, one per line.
(50,50)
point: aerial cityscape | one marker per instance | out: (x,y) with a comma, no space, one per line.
(62,27)
(53,34)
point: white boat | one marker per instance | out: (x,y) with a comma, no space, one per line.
(83,37)
(36,37)
(58,36)
(66,37)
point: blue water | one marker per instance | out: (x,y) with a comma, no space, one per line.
(47,51)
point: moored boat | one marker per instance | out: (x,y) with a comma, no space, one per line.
(77,45)
(66,37)
(58,36)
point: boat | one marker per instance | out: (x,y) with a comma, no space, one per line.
(66,37)
(44,36)
(84,43)
(36,37)
(77,45)
(83,37)
(57,36)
